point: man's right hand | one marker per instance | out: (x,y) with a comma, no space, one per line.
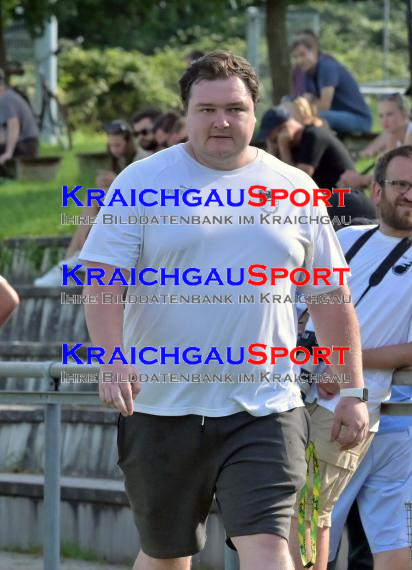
(352,414)
(118,387)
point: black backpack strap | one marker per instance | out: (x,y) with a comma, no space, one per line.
(386,264)
(359,243)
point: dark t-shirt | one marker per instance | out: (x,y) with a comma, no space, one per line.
(13,105)
(319,148)
(357,205)
(330,73)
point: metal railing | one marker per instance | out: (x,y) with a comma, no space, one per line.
(52,400)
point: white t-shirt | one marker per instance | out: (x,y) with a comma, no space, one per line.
(218,246)
(384,314)
(408,133)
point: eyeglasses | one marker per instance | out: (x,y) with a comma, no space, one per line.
(143,132)
(399,186)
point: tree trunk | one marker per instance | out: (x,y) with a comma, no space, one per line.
(3,55)
(277,40)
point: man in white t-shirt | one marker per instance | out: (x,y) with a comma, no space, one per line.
(182,441)
(384,311)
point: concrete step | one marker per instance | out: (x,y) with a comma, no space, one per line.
(94,516)
(43,318)
(27,351)
(24,259)
(88,441)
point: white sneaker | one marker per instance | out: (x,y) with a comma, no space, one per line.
(72,261)
(53,278)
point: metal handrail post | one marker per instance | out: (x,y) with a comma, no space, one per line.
(52,468)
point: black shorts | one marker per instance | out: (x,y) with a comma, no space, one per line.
(174,466)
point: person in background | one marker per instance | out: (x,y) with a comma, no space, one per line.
(383,483)
(393,110)
(122,151)
(332,88)
(178,133)
(163,128)
(9,300)
(20,134)
(386,471)
(298,75)
(142,125)
(303,111)
(317,152)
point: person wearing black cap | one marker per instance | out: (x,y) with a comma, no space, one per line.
(317,152)
(19,124)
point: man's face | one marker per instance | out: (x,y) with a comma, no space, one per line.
(220,121)
(304,58)
(142,131)
(395,209)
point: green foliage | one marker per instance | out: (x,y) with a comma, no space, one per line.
(353,33)
(100,85)
(148,26)
(32,12)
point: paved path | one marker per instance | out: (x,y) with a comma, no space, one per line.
(10,561)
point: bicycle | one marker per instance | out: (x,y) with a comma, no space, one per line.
(54,116)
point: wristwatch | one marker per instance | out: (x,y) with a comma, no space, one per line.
(361,393)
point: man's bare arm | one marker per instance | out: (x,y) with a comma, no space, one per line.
(284,146)
(308,168)
(337,325)
(105,325)
(390,356)
(324,103)
(13,131)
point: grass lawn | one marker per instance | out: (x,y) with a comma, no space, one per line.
(34,208)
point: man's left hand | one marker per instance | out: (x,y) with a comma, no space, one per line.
(351,423)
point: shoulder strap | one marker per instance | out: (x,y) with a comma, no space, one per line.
(384,267)
(358,244)
(386,264)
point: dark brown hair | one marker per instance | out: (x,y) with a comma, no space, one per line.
(121,128)
(383,162)
(219,64)
(304,41)
(166,122)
